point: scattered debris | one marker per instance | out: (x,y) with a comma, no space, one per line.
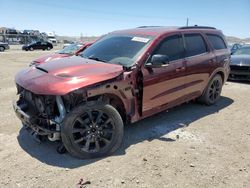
(81,183)
(192,165)
(144,159)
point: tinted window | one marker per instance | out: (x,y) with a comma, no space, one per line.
(216,41)
(195,45)
(172,47)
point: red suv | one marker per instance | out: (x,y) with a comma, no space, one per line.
(128,75)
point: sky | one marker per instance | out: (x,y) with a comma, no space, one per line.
(97,17)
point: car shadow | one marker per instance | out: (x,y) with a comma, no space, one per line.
(149,129)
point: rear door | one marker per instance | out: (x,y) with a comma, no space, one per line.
(199,63)
(164,86)
(221,51)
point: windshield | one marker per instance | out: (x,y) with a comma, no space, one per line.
(71,49)
(117,49)
(243,51)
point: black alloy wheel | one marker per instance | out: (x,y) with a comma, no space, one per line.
(92,131)
(213,91)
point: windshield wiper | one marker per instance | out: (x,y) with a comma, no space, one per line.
(96,59)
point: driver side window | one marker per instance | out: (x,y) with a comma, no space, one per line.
(172,47)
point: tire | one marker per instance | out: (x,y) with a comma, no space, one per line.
(2,49)
(48,48)
(213,91)
(31,49)
(84,139)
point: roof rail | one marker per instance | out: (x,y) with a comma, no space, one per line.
(197,27)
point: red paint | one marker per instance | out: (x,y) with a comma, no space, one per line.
(161,88)
(82,72)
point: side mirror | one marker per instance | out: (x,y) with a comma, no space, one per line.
(158,61)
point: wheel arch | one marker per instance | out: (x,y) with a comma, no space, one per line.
(220,72)
(114,101)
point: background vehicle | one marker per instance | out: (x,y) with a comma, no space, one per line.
(123,77)
(68,44)
(11,31)
(240,65)
(4,46)
(73,49)
(38,46)
(235,47)
(52,38)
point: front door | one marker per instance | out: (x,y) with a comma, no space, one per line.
(164,86)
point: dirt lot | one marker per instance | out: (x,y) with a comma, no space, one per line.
(189,146)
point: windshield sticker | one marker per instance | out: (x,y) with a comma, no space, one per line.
(140,39)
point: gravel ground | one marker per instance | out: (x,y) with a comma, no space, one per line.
(188,146)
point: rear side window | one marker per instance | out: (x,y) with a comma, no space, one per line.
(216,41)
(172,47)
(195,45)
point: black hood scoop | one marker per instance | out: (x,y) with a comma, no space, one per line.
(41,69)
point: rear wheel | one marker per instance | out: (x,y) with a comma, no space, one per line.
(91,131)
(212,93)
(31,49)
(2,49)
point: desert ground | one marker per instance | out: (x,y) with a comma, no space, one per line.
(191,145)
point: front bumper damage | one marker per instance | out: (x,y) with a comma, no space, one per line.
(29,121)
(43,115)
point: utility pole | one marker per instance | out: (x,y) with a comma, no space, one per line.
(187,22)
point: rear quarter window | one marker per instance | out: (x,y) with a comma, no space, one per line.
(195,44)
(216,41)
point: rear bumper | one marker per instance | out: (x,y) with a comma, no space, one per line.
(29,120)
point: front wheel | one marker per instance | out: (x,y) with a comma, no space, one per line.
(48,48)
(212,93)
(91,131)
(2,49)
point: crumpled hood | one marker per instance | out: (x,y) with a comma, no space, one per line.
(50,57)
(65,75)
(241,60)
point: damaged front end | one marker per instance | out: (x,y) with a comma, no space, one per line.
(43,114)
